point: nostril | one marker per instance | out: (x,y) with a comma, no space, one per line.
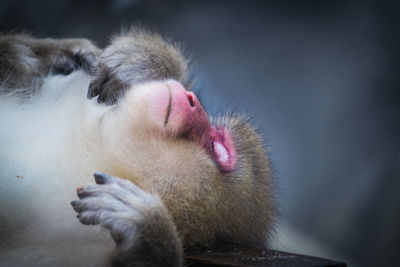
(190,99)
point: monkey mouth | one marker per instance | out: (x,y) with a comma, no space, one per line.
(222,149)
(186,118)
(218,144)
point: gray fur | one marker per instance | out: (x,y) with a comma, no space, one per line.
(135,57)
(25,60)
(126,211)
(151,228)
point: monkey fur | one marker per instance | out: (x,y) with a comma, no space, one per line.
(167,177)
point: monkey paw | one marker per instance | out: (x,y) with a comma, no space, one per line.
(107,86)
(75,54)
(118,205)
(135,57)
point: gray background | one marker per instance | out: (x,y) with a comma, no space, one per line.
(319,78)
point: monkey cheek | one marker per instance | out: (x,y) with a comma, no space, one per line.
(148,103)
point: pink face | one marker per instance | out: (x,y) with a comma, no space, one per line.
(179,112)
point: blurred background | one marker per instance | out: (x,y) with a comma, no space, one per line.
(321,80)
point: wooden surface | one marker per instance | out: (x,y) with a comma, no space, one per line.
(237,256)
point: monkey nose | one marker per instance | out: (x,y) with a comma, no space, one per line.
(191,98)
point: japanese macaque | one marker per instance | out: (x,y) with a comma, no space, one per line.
(167,177)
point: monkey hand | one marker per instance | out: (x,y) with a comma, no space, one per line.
(73,54)
(27,60)
(135,57)
(138,222)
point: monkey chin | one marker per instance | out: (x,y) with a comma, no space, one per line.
(180,113)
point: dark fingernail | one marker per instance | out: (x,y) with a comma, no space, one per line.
(92,91)
(100,177)
(81,194)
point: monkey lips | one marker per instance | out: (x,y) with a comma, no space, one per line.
(184,115)
(223,149)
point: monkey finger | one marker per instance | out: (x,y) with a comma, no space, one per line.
(89,217)
(102,178)
(114,191)
(114,198)
(63,65)
(86,60)
(127,185)
(120,224)
(108,89)
(111,90)
(123,193)
(97,203)
(94,88)
(108,219)
(134,198)
(90,190)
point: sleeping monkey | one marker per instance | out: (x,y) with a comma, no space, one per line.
(167,177)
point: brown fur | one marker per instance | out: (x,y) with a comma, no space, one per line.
(201,206)
(25,60)
(134,57)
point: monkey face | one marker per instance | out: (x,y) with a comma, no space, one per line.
(163,113)
(202,169)
(211,174)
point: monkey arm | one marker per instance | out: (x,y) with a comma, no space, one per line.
(134,57)
(139,223)
(25,60)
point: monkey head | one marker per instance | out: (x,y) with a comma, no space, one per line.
(196,180)
(212,175)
